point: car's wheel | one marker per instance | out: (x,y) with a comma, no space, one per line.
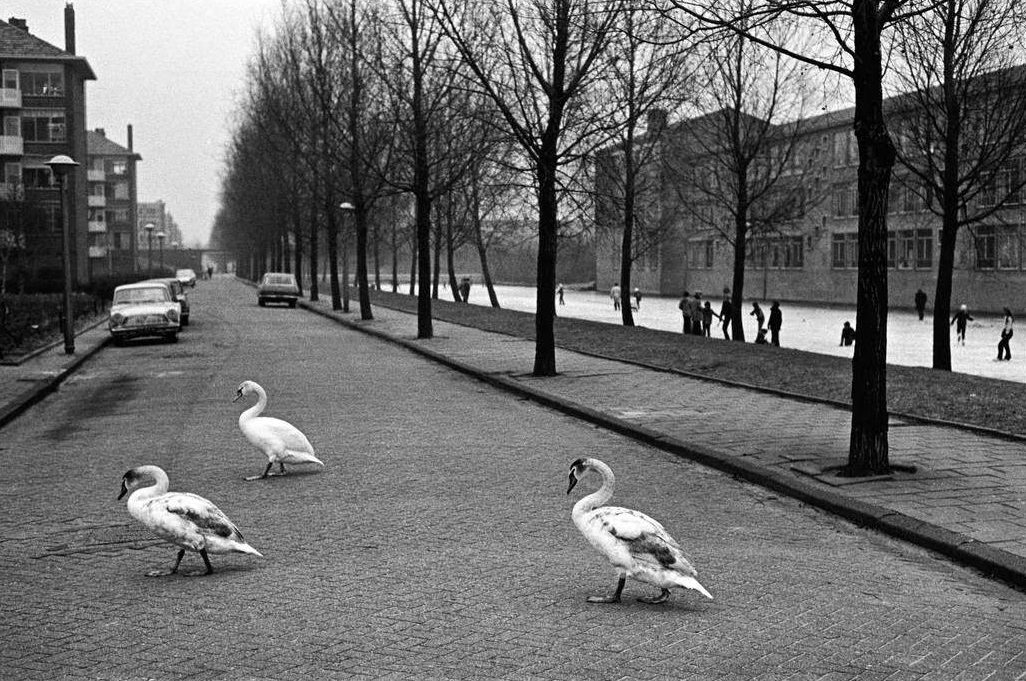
(261,302)
(119,341)
(172,337)
(185,320)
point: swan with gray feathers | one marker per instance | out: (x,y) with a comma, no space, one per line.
(280,441)
(186,520)
(634,543)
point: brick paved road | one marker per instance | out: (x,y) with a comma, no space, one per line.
(437,542)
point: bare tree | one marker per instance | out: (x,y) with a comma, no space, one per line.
(536,59)
(856,30)
(963,125)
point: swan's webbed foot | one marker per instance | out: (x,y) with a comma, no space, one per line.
(172,571)
(656,600)
(263,475)
(612,598)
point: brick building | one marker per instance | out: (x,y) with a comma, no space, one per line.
(812,258)
(43,112)
(111,173)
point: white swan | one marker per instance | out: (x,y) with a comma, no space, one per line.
(279,440)
(185,520)
(634,543)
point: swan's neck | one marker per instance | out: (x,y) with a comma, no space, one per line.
(599,496)
(257,408)
(160,484)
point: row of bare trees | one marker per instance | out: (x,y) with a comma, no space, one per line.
(431,117)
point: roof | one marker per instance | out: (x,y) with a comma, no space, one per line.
(16,43)
(97,144)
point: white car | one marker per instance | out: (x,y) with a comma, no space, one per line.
(186,276)
(144,309)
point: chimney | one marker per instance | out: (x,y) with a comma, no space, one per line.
(656,122)
(130,137)
(69,28)
(18,23)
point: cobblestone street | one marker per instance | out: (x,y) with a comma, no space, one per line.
(437,541)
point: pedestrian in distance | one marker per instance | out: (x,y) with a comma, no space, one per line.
(775,321)
(464,289)
(726,312)
(614,293)
(637,298)
(921,303)
(1004,351)
(760,337)
(686,311)
(960,320)
(757,312)
(847,334)
(707,317)
(696,314)
(559,292)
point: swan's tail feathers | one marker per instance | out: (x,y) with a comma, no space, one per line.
(301,457)
(692,583)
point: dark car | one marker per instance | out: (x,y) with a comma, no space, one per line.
(278,287)
(178,295)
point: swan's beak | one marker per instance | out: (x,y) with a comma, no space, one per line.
(238,394)
(124,489)
(573,482)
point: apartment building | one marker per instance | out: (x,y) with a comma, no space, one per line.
(112,242)
(812,257)
(156,229)
(43,113)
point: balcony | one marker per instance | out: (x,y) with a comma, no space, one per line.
(97,251)
(11,192)
(10,98)
(96,175)
(96,201)
(11,146)
(97,227)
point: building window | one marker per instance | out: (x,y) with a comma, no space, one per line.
(924,249)
(12,126)
(1006,244)
(118,168)
(37,178)
(121,191)
(701,253)
(10,79)
(42,83)
(985,243)
(96,215)
(845,251)
(122,241)
(776,252)
(794,252)
(12,173)
(901,249)
(43,125)
(846,149)
(120,215)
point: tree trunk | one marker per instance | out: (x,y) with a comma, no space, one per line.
(363,289)
(436,270)
(336,293)
(314,254)
(482,254)
(395,259)
(548,227)
(297,252)
(627,242)
(344,280)
(449,265)
(868,448)
(737,290)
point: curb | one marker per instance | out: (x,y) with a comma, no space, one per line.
(40,389)
(993,562)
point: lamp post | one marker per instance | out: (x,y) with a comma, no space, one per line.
(149,227)
(160,238)
(61,165)
(345,207)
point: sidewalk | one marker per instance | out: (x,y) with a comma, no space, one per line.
(24,384)
(966,497)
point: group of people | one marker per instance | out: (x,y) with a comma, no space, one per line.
(698,317)
(615,294)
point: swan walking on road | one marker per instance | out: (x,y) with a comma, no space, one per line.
(279,440)
(185,520)
(634,543)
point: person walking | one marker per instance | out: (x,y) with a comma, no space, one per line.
(775,321)
(921,303)
(1004,351)
(726,311)
(757,312)
(847,334)
(637,299)
(464,289)
(696,314)
(686,311)
(960,320)
(707,317)
(559,292)
(614,293)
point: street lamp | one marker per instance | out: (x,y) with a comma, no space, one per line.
(149,227)
(160,238)
(61,165)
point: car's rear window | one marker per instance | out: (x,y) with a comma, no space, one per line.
(156,294)
(279,279)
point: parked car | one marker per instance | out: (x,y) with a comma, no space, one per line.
(278,287)
(178,295)
(144,309)
(186,276)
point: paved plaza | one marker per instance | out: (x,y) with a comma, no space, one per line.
(437,543)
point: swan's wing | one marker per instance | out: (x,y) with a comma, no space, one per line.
(645,538)
(203,514)
(285,431)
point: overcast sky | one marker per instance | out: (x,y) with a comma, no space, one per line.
(171,68)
